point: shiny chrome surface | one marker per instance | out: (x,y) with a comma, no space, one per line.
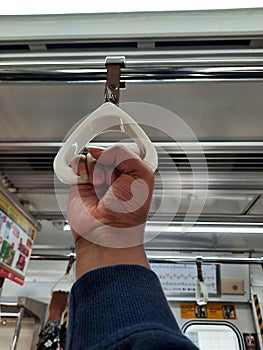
(205,67)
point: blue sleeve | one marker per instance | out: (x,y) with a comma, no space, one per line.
(122,307)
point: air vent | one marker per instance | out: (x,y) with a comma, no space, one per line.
(33,168)
(203,44)
(90,46)
(67,46)
(14,48)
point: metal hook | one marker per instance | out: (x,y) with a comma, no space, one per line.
(201,288)
(112,87)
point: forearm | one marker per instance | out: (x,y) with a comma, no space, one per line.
(122,307)
(55,315)
(90,256)
(58,304)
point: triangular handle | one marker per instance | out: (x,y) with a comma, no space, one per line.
(105,117)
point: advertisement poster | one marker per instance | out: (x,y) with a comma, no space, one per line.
(16,241)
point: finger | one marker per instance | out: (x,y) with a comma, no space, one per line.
(123,157)
(136,149)
(96,171)
(79,167)
(111,174)
(97,151)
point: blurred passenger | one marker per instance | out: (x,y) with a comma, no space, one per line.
(53,335)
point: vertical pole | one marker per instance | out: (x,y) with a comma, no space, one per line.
(17,329)
(2,280)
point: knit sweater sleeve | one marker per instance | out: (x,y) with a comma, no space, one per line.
(122,307)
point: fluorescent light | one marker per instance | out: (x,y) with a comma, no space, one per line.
(250,229)
(29,7)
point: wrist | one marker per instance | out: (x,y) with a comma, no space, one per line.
(54,316)
(91,256)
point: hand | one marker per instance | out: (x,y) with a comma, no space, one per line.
(58,304)
(111,210)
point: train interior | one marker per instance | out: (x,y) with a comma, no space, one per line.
(193,80)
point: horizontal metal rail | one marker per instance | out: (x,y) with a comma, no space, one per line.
(142,66)
(167,259)
(7,303)
(214,147)
(9,314)
(142,75)
(205,260)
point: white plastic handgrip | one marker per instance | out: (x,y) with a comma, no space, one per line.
(201,293)
(105,117)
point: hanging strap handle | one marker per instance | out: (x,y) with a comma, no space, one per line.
(107,117)
(201,293)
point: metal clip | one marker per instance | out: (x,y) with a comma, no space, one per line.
(201,293)
(70,263)
(112,87)
(199,268)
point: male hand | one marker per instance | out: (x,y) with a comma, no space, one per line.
(111,209)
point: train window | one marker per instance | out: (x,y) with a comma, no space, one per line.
(213,337)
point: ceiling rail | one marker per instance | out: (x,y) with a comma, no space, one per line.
(168,259)
(141,66)
(142,75)
(169,146)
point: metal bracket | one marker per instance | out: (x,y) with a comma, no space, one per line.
(112,87)
(199,268)
(70,263)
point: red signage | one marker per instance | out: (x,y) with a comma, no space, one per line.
(16,241)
